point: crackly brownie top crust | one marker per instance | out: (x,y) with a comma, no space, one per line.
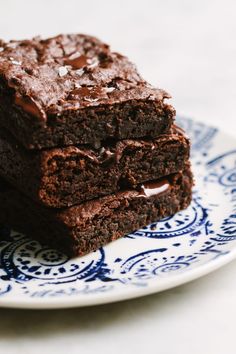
(69,72)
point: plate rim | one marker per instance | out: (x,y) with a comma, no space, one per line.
(106,298)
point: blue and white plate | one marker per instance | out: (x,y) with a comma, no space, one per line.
(158,257)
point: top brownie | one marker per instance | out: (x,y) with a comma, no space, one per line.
(72,89)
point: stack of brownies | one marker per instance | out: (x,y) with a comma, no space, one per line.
(88,149)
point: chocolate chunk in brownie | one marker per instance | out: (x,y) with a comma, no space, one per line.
(86,227)
(72,89)
(61,177)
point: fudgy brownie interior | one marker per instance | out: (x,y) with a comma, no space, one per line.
(61,177)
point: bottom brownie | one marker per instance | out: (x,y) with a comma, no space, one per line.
(86,227)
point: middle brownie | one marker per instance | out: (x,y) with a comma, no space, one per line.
(61,177)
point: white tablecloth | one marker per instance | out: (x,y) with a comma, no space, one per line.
(188,48)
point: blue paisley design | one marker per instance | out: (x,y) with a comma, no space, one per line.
(181,224)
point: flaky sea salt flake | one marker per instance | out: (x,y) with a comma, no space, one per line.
(62,71)
(15,62)
(80,72)
(92,63)
(77,85)
(90,99)
(109,89)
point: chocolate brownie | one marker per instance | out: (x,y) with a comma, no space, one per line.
(60,177)
(72,89)
(86,227)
